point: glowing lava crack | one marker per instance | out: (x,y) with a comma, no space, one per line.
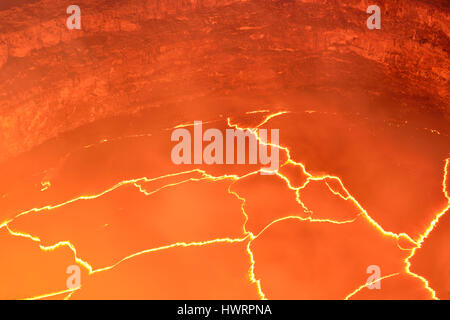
(334,184)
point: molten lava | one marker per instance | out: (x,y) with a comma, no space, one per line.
(87,178)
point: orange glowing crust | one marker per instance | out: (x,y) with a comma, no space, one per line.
(424,235)
(247,236)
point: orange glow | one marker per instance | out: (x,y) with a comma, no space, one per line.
(358,184)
